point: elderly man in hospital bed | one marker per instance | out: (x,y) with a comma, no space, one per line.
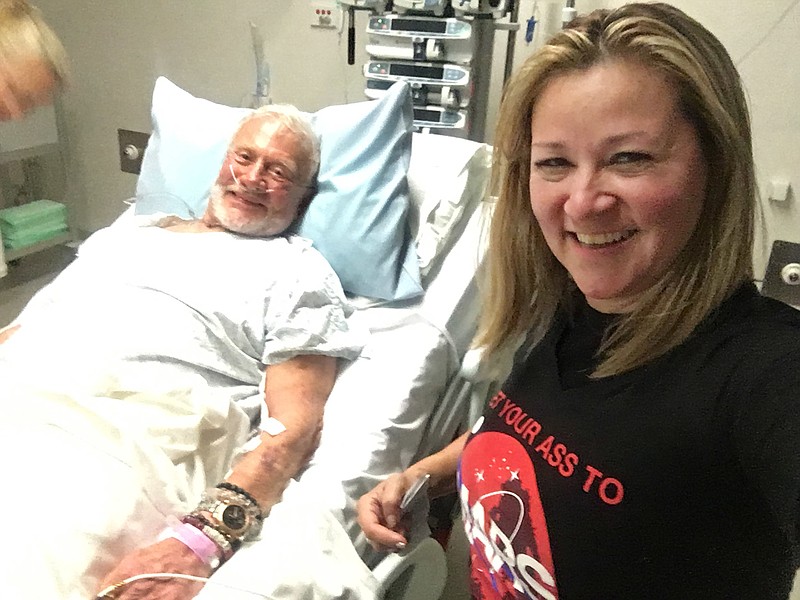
(152,358)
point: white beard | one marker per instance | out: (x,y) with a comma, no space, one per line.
(233,221)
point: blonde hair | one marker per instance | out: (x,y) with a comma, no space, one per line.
(24,34)
(525,284)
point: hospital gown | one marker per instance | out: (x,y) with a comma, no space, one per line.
(139,365)
(144,306)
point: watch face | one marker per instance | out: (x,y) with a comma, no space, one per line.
(234,517)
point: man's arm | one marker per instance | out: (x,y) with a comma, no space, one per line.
(295,392)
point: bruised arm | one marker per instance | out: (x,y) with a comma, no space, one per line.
(295,392)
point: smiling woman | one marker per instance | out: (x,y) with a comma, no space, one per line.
(33,63)
(684,82)
(647,441)
(617,180)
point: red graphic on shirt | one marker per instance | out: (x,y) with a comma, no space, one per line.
(504,520)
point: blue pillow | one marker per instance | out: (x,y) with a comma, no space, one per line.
(358,219)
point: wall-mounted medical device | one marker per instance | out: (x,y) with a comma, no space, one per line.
(418,72)
(437,7)
(420,38)
(423,94)
(436,117)
(496,8)
(443,49)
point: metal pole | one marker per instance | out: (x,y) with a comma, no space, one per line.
(480,74)
(512,41)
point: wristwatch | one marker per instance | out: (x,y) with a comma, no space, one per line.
(232,514)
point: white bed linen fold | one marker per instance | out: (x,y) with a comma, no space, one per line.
(89,479)
(303,552)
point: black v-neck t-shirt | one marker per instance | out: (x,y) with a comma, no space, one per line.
(577,346)
(679,479)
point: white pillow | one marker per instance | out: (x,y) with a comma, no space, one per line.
(359,217)
(447,178)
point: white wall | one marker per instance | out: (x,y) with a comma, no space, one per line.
(119,47)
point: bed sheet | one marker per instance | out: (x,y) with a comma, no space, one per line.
(98,475)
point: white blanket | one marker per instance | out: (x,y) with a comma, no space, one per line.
(99,477)
(100,480)
(303,552)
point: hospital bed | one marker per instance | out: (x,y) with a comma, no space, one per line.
(409,393)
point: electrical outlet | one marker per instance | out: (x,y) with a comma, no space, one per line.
(131,149)
(324,15)
(782,279)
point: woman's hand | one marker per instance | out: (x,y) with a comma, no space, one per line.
(379,512)
(168,556)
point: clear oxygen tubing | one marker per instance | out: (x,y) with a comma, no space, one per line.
(261,94)
(568,13)
(112,590)
(236,179)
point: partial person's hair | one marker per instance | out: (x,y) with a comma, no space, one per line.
(298,123)
(24,34)
(525,284)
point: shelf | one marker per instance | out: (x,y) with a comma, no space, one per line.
(64,238)
(35,135)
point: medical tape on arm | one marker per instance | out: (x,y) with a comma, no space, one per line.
(272,426)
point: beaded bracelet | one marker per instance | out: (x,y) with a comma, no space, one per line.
(196,540)
(224,541)
(242,492)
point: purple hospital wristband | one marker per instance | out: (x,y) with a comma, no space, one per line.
(198,542)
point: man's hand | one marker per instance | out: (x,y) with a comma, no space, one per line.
(168,556)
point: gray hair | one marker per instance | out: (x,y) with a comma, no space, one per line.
(298,123)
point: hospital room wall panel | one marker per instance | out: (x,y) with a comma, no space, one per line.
(118,48)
